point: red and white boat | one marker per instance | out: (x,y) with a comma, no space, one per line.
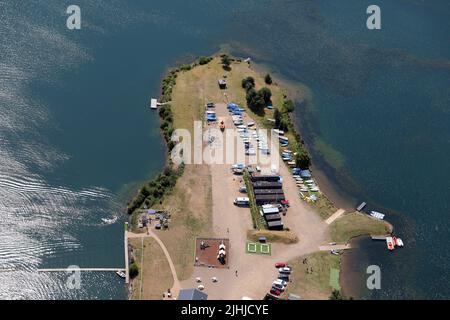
(398,242)
(390,243)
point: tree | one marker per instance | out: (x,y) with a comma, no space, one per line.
(134,270)
(266,94)
(248,83)
(268,79)
(204,60)
(337,295)
(277,117)
(255,101)
(302,159)
(288,105)
(226,62)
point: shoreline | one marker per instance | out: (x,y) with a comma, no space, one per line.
(328,188)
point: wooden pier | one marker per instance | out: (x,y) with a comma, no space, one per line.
(361,206)
(381,238)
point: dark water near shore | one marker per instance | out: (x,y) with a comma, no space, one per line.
(76,137)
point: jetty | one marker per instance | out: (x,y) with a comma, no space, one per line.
(361,206)
(81,269)
(381,238)
(154,104)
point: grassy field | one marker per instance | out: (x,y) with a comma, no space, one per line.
(196,87)
(357,224)
(154,276)
(190,204)
(311,280)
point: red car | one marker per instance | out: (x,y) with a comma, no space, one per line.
(280,265)
(275,292)
(285,203)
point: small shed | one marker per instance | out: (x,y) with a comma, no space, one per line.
(222,84)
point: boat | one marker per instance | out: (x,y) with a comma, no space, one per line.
(153,104)
(377,215)
(121,274)
(390,243)
(399,242)
(335,252)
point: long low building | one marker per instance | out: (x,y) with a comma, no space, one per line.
(267,185)
(275,225)
(266,198)
(256,176)
(272,217)
(268,191)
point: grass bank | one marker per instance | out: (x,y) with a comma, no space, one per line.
(311,275)
(154,276)
(357,224)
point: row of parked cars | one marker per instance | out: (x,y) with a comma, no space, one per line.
(280,284)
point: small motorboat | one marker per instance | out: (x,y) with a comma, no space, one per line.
(335,252)
(390,243)
(377,215)
(121,274)
(399,242)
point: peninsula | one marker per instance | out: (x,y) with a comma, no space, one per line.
(206,226)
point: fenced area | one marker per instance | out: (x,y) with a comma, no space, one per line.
(207,252)
(258,248)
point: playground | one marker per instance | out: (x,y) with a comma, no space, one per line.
(212,252)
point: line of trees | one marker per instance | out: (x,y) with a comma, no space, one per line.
(284,122)
(152,192)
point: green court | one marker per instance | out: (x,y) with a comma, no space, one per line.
(334,279)
(258,248)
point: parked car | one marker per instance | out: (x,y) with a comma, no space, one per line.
(284,277)
(285,270)
(280,282)
(280,265)
(275,292)
(278,286)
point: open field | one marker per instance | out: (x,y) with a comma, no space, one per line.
(154,273)
(357,224)
(190,205)
(196,87)
(311,280)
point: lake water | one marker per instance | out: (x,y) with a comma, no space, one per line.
(77,138)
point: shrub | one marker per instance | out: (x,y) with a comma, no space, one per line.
(204,60)
(248,83)
(134,270)
(268,79)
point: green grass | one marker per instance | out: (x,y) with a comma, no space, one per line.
(315,284)
(334,279)
(357,224)
(256,217)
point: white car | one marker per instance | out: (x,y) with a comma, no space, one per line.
(280,282)
(286,270)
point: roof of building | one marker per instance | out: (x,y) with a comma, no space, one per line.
(192,294)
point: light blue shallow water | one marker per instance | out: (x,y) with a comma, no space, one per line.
(76,137)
